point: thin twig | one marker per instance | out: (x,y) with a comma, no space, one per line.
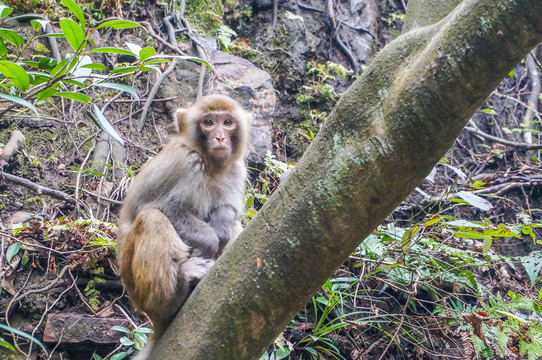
(78,180)
(517,145)
(42,190)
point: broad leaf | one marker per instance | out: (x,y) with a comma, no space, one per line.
(45,94)
(3,50)
(122,87)
(532,264)
(21,102)
(471,235)
(120,328)
(73,33)
(60,68)
(5,11)
(146,53)
(119,356)
(94,66)
(74,82)
(12,37)
(112,50)
(100,120)
(475,200)
(74,96)
(12,250)
(75,10)
(118,24)
(124,70)
(39,24)
(16,74)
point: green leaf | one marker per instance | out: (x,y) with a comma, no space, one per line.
(486,245)
(75,82)
(73,33)
(16,74)
(12,37)
(39,24)
(21,102)
(100,120)
(130,90)
(12,250)
(74,96)
(155,61)
(119,356)
(75,10)
(3,50)
(475,200)
(112,50)
(60,68)
(8,346)
(45,94)
(25,259)
(124,70)
(489,111)
(433,220)
(126,342)
(25,335)
(511,74)
(146,53)
(5,11)
(58,35)
(471,235)
(144,330)
(118,24)
(94,66)
(532,264)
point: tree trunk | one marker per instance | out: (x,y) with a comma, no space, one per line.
(384,136)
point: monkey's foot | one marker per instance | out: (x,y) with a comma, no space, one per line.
(194,269)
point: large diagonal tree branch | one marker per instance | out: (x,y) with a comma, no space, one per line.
(382,139)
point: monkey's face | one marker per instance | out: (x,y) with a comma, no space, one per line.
(218,134)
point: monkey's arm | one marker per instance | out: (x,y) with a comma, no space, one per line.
(196,233)
(222,220)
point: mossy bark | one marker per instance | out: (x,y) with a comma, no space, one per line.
(382,139)
(422,13)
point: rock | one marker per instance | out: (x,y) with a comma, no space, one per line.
(253,89)
(14,144)
(75,329)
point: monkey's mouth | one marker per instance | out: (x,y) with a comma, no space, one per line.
(221,148)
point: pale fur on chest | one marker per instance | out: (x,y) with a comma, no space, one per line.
(207,193)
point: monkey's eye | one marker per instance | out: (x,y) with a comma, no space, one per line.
(207,122)
(228,122)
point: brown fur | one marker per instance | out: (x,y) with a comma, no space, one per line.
(181,209)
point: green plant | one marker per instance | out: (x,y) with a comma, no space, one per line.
(7,345)
(31,83)
(268,180)
(318,87)
(134,340)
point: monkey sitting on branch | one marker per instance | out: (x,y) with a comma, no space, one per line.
(182,209)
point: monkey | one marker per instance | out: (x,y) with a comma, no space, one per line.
(182,209)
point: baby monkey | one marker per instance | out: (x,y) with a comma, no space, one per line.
(182,208)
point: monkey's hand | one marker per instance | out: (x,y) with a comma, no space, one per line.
(195,268)
(197,234)
(222,220)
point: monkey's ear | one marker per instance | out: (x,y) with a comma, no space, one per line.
(180,120)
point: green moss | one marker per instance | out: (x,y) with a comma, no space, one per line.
(205,16)
(35,202)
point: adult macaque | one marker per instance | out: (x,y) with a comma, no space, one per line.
(182,208)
